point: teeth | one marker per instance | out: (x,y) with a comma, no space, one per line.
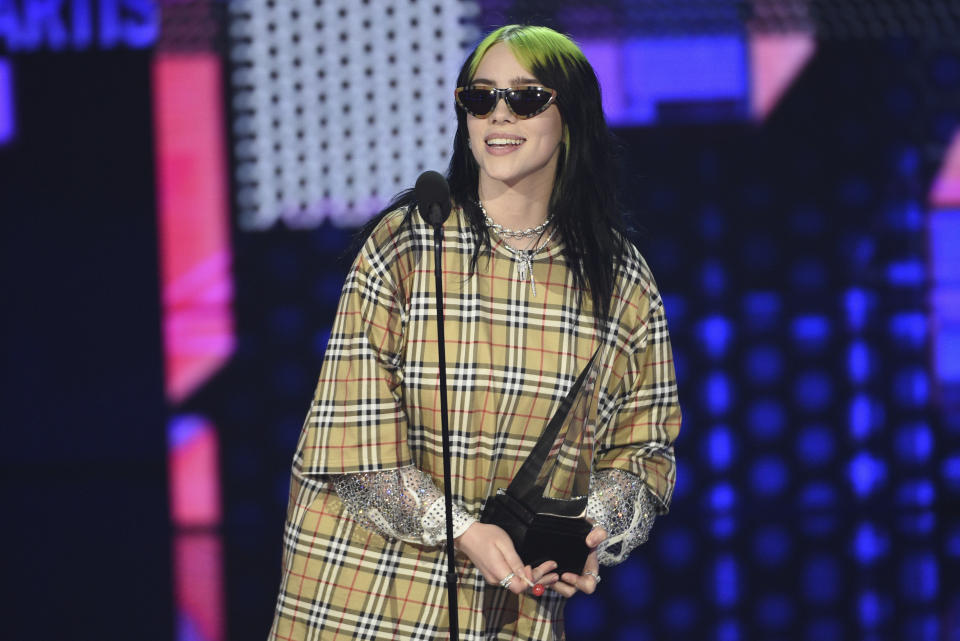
(504,141)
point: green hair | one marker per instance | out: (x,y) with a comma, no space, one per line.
(534,47)
(584,205)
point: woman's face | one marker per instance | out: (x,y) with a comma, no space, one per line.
(517,153)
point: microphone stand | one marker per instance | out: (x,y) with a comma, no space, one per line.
(436,219)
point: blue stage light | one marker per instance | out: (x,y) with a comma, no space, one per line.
(717,393)
(680,368)
(723,527)
(808,274)
(817,495)
(905,216)
(675,547)
(922,627)
(909,329)
(859,363)
(811,331)
(728,630)
(944,237)
(821,580)
(871,610)
(761,310)
(634,583)
(869,543)
(713,278)
(679,613)
(813,391)
(320,340)
(952,542)
(633,631)
(908,163)
(768,476)
(917,524)
(712,223)
(816,445)
(950,469)
(866,473)
(726,573)
(719,447)
(861,252)
(864,416)
(327,289)
(771,545)
(919,577)
(675,307)
(766,419)
(773,611)
(914,443)
(824,629)
(715,334)
(7,123)
(858,304)
(910,272)
(764,364)
(916,493)
(722,497)
(911,387)
(584,616)
(947,347)
(709,71)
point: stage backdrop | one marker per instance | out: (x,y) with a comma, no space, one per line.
(180,182)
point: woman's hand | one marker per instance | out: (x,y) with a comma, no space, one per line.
(491,551)
(570,583)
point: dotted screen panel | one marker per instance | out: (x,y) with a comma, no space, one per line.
(340,104)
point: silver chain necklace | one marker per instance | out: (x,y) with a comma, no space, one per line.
(524,259)
(530,232)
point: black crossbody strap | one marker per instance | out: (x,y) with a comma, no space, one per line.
(526,477)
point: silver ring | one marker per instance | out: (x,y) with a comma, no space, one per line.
(505,581)
(596,577)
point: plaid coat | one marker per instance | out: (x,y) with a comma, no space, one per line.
(511,356)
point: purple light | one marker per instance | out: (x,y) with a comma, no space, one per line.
(642,78)
(944,240)
(7,125)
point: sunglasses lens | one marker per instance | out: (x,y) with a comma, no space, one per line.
(528,101)
(478,102)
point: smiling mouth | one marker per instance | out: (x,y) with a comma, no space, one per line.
(505,142)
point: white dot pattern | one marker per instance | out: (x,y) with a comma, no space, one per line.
(339,104)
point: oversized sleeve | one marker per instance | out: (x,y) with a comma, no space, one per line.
(639,437)
(357,421)
(400,504)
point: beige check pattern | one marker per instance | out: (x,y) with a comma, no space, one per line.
(511,357)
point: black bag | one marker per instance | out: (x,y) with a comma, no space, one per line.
(542,528)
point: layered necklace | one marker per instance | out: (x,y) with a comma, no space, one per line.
(522,257)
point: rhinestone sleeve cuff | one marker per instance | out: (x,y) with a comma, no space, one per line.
(400,504)
(620,503)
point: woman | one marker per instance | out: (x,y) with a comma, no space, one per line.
(538,276)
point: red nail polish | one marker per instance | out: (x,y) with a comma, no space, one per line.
(537,589)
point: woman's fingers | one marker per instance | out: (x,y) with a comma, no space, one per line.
(597,536)
(571,583)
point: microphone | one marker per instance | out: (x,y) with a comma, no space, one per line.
(433,197)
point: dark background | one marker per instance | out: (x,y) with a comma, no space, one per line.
(788,521)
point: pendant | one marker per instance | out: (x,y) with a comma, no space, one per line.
(524,266)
